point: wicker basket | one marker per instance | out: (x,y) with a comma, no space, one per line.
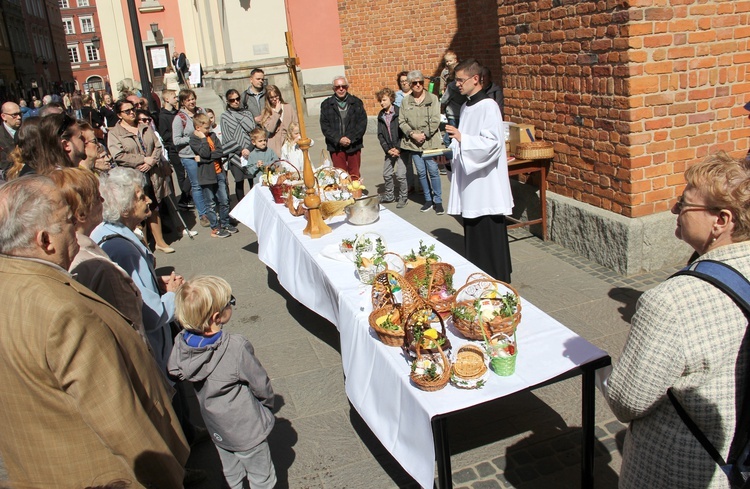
(440,282)
(288,174)
(389,337)
(481,286)
(415,321)
(538,150)
(470,363)
(432,384)
(404,295)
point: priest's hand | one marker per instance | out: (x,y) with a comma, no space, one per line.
(453,133)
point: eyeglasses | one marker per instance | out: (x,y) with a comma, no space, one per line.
(13,114)
(232,302)
(145,120)
(233,100)
(463,80)
(681,204)
(66,123)
(417,82)
(403,81)
(127,111)
(343,87)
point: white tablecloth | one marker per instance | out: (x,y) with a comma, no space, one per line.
(377,376)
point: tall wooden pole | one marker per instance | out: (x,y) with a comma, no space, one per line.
(316,227)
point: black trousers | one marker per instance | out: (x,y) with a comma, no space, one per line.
(486,243)
(182,179)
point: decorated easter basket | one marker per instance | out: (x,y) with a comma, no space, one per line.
(389,331)
(434,282)
(469,369)
(433,376)
(421,322)
(498,304)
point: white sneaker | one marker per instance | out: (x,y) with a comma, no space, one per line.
(188,232)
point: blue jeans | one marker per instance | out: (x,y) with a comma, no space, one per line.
(191,167)
(214,194)
(424,166)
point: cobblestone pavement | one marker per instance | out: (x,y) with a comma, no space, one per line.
(529,441)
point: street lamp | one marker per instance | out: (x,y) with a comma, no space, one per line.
(155,28)
(96,42)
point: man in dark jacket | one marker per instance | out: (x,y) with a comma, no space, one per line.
(343,121)
(254,98)
(11,116)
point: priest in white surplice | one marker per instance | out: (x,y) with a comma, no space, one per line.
(480,188)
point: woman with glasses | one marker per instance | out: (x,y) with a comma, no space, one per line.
(689,336)
(236,124)
(276,118)
(419,120)
(134,144)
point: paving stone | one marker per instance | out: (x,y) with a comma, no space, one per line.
(526,473)
(486,484)
(562,443)
(464,475)
(614,427)
(599,433)
(485,469)
(548,466)
(521,457)
(541,451)
(610,444)
(500,462)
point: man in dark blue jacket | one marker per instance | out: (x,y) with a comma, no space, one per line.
(343,121)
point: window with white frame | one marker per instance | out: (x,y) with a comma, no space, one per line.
(64,3)
(92,54)
(87,24)
(73,54)
(69,27)
(83,3)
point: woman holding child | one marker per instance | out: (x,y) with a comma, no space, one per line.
(236,123)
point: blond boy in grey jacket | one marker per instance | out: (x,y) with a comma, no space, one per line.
(232,387)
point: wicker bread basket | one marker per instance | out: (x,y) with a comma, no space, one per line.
(538,150)
(470,363)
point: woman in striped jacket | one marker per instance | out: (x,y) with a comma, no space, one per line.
(236,124)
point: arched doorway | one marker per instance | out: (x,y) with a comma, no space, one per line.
(94,82)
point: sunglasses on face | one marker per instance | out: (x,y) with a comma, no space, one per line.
(232,302)
(341,87)
(66,123)
(233,100)
(144,120)
(681,204)
(417,82)
(127,111)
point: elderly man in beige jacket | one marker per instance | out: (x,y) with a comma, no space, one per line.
(83,402)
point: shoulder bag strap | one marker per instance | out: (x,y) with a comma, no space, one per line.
(736,286)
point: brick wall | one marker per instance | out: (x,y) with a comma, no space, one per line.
(381,38)
(631,93)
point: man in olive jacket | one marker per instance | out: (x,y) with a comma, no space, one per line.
(83,401)
(343,121)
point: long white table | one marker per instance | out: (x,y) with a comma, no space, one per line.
(406,420)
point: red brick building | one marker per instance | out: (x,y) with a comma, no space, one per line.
(82,30)
(631,92)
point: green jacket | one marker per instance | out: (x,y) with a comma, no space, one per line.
(424,117)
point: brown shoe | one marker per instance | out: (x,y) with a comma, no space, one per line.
(204,222)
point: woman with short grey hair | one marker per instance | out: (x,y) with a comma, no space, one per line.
(125,206)
(419,120)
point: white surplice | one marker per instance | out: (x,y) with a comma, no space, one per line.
(479,182)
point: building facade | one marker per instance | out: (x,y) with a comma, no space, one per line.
(83,44)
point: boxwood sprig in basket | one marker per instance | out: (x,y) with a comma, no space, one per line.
(378,259)
(426,252)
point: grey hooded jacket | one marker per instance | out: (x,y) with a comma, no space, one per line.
(232,387)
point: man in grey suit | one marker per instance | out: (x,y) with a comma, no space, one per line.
(11,115)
